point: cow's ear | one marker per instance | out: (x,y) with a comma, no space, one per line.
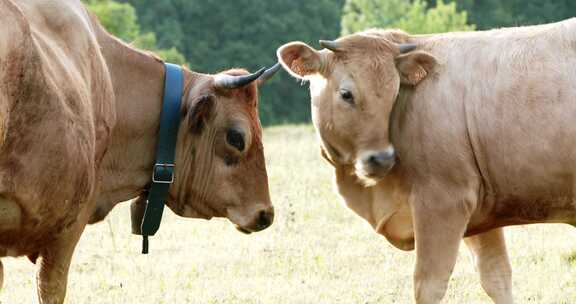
(299,59)
(200,112)
(415,66)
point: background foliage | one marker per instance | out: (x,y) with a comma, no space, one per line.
(413,17)
(213,35)
(121,20)
(487,14)
(217,35)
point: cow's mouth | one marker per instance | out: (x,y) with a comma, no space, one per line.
(259,220)
(243,230)
(258,227)
(371,177)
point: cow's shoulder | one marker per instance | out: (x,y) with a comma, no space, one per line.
(44,41)
(15,35)
(67,58)
(61,19)
(13,24)
(56,100)
(17,56)
(63,31)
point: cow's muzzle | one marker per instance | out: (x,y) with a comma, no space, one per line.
(262,220)
(375,164)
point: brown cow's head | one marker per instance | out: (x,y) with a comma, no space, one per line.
(354,83)
(220,161)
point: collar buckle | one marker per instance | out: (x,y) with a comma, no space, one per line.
(163,174)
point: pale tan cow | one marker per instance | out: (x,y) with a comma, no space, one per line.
(79,116)
(438,137)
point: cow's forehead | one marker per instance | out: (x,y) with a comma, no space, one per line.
(361,70)
(233,106)
(240,106)
(367,43)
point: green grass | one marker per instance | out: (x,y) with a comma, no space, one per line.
(317,251)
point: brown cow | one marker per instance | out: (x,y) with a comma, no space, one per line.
(79,114)
(439,137)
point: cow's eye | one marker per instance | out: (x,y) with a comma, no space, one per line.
(235,139)
(347,96)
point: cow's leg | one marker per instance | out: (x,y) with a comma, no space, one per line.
(440,219)
(491,258)
(54,264)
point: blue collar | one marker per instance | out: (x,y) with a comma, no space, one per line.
(163,171)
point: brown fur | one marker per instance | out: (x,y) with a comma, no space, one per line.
(482,126)
(79,113)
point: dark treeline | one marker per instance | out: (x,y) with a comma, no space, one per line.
(216,34)
(487,14)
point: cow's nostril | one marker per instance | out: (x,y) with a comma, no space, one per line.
(380,159)
(373,160)
(265,219)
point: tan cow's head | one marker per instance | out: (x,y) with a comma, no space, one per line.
(220,161)
(354,83)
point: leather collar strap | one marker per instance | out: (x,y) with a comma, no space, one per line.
(163,171)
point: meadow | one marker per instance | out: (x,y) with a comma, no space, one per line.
(317,251)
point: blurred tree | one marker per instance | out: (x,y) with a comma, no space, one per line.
(118,18)
(488,14)
(411,16)
(121,20)
(148,41)
(216,35)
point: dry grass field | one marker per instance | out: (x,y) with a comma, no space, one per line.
(317,251)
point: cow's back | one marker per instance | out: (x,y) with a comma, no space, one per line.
(507,99)
(56,110)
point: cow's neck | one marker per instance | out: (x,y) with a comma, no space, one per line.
(138,80)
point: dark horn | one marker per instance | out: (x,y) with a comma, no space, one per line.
(407,47)
(233,82)
(331,45)
(269,73)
